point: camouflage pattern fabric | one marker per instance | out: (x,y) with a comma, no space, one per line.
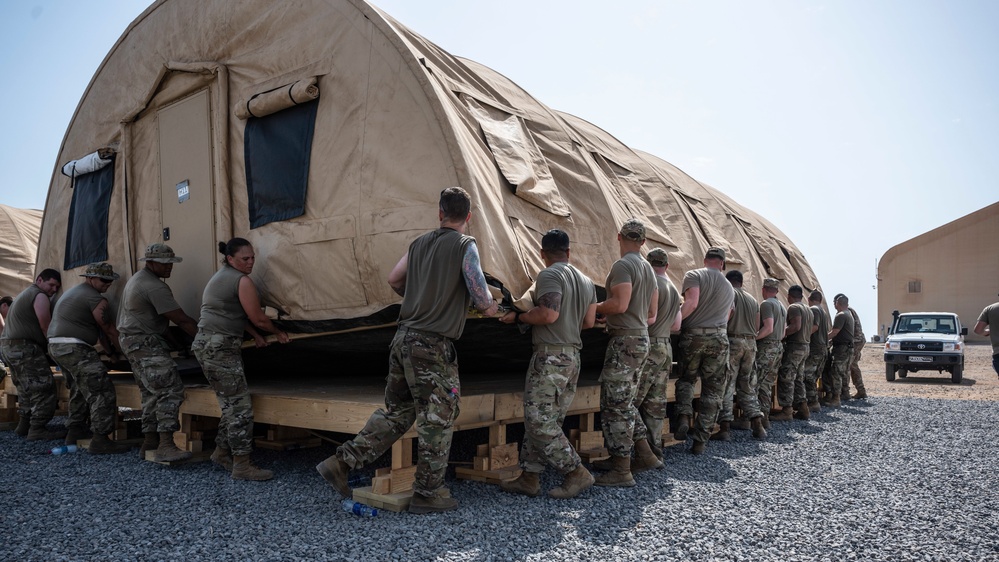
(79,409)
(704,356)
(159,382)
(222,363)
(422,387)
(768,356)
(855,374)
(791,374)
(91,386)
(32,376)
(650,397)
(840,375)
(623,363)
(740,380)
(814,364)
(548,393)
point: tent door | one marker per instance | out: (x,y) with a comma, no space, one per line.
(186,188)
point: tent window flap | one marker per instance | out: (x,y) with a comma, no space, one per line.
(87,224)
(277,149)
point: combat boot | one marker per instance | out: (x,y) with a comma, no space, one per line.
(785,414)
(575,483)
(527,484)
(645,459)
(845,397)
(802,413)
(222,457)
(603,465)
(102,445)
(150,440)
(759,432)
(766,421)
(244,469)
(168,450)
(23,425)
(39,432)
(682,427)
(334,471)
(74,433)
(620,475)
(741,423)
(814,407)
(423,504)
(723,432)
(834,403)
(698,447)
(861,394)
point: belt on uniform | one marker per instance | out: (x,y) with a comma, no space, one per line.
(568,349)
(795,343)
(715,330)
(743,336)
(628,332)
(658,339)
(422,333)
(18,342)
(76,341)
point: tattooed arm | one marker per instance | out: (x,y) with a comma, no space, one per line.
(475,281)
(546,312)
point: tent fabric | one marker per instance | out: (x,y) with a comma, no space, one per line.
(89,163)
(278,99)
(399,119)
(19,229)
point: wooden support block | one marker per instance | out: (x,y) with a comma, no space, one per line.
(497,434)
(591,440)
(195,445)
(586,421)
(402,479)
(382,471)
(503,456)
(482,450)
(593,455)
(402,453)
(389,502)
(381,484)
(487,476)
(480,463)
(201,456)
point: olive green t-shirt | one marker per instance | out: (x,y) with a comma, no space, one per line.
(73,316)
(803,335)
(717,297)
(772,308)
(669,304)
(991,317)
(221,310)
(743,320)
(819,342)
(577,293)
(22,322)
(632,268)
(145,298)
(437,298)
(843,321)
(858,330)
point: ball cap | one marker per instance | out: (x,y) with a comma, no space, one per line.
(770,283)
(161,253)
(658,257)
(715,252)
(633,230)
(102,270)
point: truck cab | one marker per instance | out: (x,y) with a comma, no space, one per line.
(925,341)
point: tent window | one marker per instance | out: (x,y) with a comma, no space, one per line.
(277,149)
(87,227)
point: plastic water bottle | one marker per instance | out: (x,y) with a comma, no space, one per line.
(357,508)
(359,481)
(63,449)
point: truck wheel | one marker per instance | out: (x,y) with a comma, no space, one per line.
(889,372)
(902,373)
(956,372)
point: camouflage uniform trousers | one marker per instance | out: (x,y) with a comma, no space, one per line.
(855,374)
(159,381)
(422,387)
(32,376)
(791,375)
(768,356)
(222,362)
(91,388)
(814,364)
(840,374)
(704,356)
(623,363)
(548,393)
(650,398)
(740,381)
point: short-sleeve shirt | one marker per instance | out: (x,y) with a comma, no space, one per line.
(436,298)
(145,298)
(221,310)
(577,293)
(22,322)
(991,317)
(803,335)
(717,297)
(819,342)
(743,320)
(772,308)
(73,316)
(858,330)
(668,306)
(843,321)
(632,268)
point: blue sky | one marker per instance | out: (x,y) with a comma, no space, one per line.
(851,125)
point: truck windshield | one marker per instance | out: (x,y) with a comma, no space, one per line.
(936,324)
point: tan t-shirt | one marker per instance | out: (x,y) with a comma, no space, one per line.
(669,305)
(632,268)
(991,317)
(145,298)
(73,316)
(717,297)
(743,320)
(772,308)
(819,342)
(803,335)
(843,321)
(577,293)
(221,310)
(436,298)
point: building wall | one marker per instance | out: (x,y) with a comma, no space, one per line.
(953,268)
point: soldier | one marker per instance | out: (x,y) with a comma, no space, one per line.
(631,306)
(791,376)
(773,322)
(423,383)
(147,308)
(708,300)
(80,319)
(818,350)
(4,309)
(988,319)
(565,303)
(841,337)
(741,330)
(23,346)
(859,339)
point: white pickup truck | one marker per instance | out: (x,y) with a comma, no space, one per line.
(925,341)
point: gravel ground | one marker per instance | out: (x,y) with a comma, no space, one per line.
(888,478)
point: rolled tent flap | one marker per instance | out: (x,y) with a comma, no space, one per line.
(282,97)
(89,163)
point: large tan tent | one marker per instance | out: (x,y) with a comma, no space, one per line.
(323,131)
(19,230)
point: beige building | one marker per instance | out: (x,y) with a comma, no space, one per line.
(953,268)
